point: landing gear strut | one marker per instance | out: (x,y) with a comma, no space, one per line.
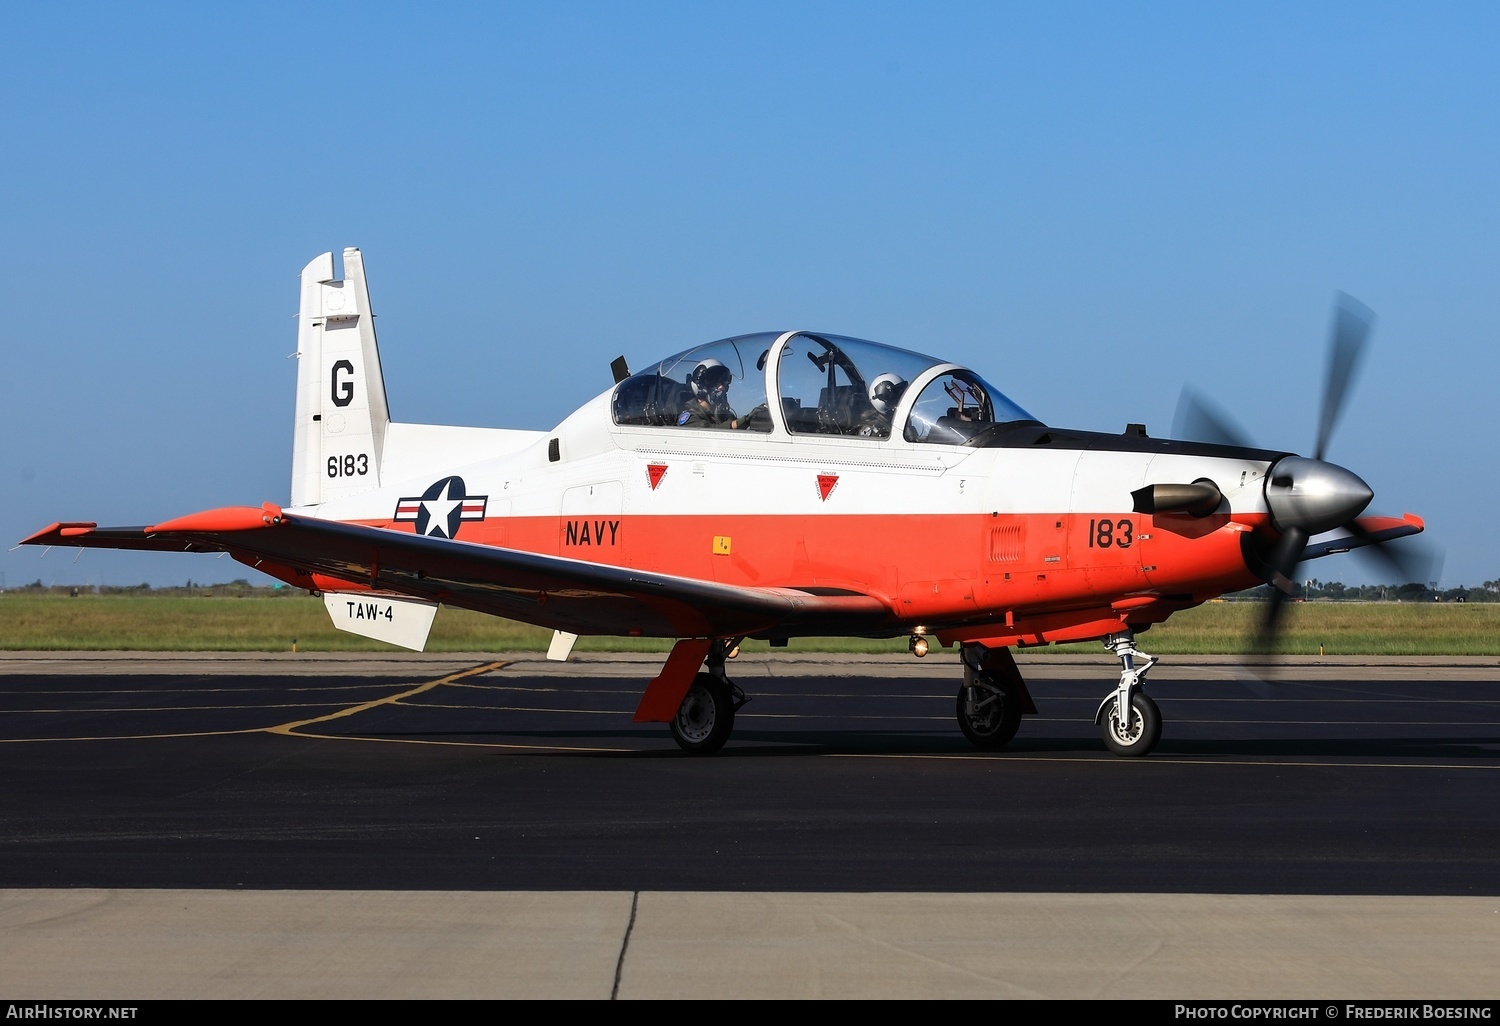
(993,696)
(705,719)
(1130,721)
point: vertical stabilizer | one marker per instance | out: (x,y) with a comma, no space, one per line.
(341,409)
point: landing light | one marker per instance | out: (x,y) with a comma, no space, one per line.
(918,645)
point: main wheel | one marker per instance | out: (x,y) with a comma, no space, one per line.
(1137,737)
(705,718)
(988,717)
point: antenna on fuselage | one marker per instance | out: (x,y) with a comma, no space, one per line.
(620,369)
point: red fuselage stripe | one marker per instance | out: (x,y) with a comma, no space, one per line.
(925,566)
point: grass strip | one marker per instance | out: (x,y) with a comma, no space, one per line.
(255,624)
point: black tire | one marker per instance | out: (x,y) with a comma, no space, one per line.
(705,719)
(1144,731)
(994,722)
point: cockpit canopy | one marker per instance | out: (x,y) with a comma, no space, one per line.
(824,384)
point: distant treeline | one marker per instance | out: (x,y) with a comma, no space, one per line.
(1310,590)
(1336,591)
(239,588)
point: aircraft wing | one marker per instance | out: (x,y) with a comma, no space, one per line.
(549,591)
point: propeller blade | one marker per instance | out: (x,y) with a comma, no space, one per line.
(1408,563)
(1352,321)
(1268,631)
(1200,420)
(1282,563)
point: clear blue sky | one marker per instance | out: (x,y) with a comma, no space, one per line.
(1092,204)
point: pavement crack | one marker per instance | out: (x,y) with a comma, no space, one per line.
(635,901)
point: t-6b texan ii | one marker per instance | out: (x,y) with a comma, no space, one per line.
(777,485)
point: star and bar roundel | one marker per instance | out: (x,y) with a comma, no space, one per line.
(439,510)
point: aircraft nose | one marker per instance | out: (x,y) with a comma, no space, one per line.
(1313,495)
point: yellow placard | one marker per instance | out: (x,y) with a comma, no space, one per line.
(721,545)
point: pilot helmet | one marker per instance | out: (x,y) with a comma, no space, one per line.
(886,392)
(710,379)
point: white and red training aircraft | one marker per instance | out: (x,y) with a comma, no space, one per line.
(773,485)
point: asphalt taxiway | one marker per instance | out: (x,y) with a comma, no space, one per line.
(496,826)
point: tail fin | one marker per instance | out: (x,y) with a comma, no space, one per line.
(341,408)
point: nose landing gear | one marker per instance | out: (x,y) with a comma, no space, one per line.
(1130,721)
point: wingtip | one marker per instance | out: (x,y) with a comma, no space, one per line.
(54,534)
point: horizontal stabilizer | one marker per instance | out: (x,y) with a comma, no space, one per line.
(86,535)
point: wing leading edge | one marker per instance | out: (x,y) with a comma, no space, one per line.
(549,591)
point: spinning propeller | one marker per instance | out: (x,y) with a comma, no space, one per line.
(1306,496)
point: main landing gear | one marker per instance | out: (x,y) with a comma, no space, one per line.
(993,699)
(705,719)
(993,696)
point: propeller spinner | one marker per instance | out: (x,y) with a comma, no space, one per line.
(1306,496)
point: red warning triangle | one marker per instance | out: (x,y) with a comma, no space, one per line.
(655,472)
(826,483)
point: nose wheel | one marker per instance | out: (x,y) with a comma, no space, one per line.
(1128,719)
(1139,734)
